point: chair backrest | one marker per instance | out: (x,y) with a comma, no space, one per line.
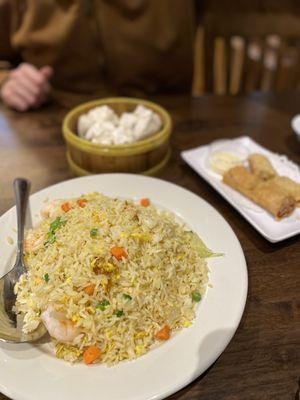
(245,52)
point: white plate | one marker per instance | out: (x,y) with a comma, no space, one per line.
(31,372)
(273,230)
(295,123)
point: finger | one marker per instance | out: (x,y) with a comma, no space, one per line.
(31,87)
(21,92)
(46,88)
(13,100)
(28,85)
(33,74)
(18,104)
(47,71)
(43,97)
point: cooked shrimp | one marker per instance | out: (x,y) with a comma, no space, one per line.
(51,209)
(58,326)
(34,240)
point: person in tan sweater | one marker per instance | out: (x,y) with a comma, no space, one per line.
(83,49)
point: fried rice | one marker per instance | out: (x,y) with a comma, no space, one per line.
(118,272)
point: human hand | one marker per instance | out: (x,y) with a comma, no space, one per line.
(26,87)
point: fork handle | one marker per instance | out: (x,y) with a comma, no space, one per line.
(22,189)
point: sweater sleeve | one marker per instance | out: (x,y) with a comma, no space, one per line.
(8,56)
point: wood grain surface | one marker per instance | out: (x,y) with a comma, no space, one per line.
(262,362)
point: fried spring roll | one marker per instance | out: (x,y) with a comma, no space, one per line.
(265,194)
(240,179)
(271,198)
(289,187)
(261,166)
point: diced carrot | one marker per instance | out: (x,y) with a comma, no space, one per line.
(89,289)
(163,333)
(91,354)
(118,252)
(82,202)
(66,206)
(145,202)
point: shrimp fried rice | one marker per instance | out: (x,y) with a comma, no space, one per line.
(110,274)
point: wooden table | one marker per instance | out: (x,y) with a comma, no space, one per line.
(262,362)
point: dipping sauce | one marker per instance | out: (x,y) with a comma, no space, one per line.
(222,161)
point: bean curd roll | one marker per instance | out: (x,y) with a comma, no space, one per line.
(240,179)
(289,187)
(261,166)
(272,199)
(264,193)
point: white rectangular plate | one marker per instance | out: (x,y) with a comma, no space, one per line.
(273,230)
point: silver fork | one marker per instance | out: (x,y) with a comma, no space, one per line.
(10,323)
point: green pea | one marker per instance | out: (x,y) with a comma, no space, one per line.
(93,232)
(196,296)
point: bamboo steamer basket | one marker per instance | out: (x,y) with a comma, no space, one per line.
(147,156)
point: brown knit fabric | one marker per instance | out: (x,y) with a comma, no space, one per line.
(103,47)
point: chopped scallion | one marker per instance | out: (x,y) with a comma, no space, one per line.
(54,226)
(103,304)
(119,313)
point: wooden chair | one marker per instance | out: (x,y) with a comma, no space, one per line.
(244,52)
